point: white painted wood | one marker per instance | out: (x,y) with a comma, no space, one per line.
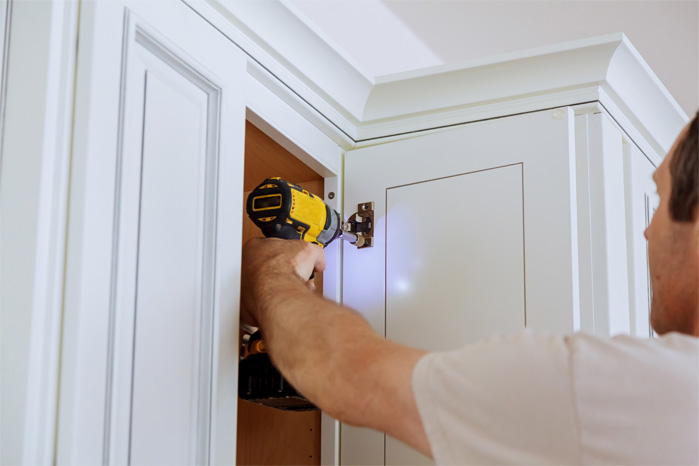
(606,67)
(291,129)
(5,24)
(332,289)
(641,202)
(289,49)
(315,73)
(438,299)
(263,85)
(585,258)
(36,117)
(431,290)
(311,104)
(605,170)
(636,90)
(150,366)
(163,314)
(540,147)
(635,133)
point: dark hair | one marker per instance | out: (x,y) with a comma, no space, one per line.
(684,173)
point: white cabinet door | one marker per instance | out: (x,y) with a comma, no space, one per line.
(641,202)
(150,332)
(475,234)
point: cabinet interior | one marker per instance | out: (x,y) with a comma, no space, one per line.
(268,436)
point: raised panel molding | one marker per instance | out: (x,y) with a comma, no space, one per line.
(156,194)
(146,63)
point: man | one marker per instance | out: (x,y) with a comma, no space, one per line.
(509,399)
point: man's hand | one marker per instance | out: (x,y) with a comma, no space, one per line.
(271,259)
(328,352)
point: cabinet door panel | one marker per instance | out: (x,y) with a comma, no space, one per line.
(422,264)
(470,255)
(158,186)
(172,348)
(475,234)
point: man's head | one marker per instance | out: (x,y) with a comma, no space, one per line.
(673,238)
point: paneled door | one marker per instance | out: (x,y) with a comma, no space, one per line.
(149,363)
(475,234)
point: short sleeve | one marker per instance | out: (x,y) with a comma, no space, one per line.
(507,399)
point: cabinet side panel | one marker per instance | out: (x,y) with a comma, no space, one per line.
(583,216)
(641,202)
(608,227)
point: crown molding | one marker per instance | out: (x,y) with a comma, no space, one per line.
(640,97)
(606,69)
(292,52)
(314,73)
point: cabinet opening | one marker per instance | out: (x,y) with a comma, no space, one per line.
(268,436)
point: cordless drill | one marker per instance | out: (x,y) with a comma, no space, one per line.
(284,210)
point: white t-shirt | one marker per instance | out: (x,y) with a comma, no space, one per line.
(579,399)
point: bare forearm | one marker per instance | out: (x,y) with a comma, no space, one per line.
(328,352)
(317,344)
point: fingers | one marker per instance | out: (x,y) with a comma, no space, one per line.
(311,284)
(319,265)
(265,259)
(285,256)
(307,259)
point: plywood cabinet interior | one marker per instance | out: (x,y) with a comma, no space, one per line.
(268,436)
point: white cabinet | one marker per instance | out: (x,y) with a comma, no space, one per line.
(516,201)
(149,359)
(476,234)
(641,202)
(528,221)
(495,226)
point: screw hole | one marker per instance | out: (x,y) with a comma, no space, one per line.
(331,195)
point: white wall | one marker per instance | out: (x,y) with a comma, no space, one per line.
(390,36)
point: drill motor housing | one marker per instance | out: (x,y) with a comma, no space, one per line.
(285,210)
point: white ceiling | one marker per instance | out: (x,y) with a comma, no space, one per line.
(390,36)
